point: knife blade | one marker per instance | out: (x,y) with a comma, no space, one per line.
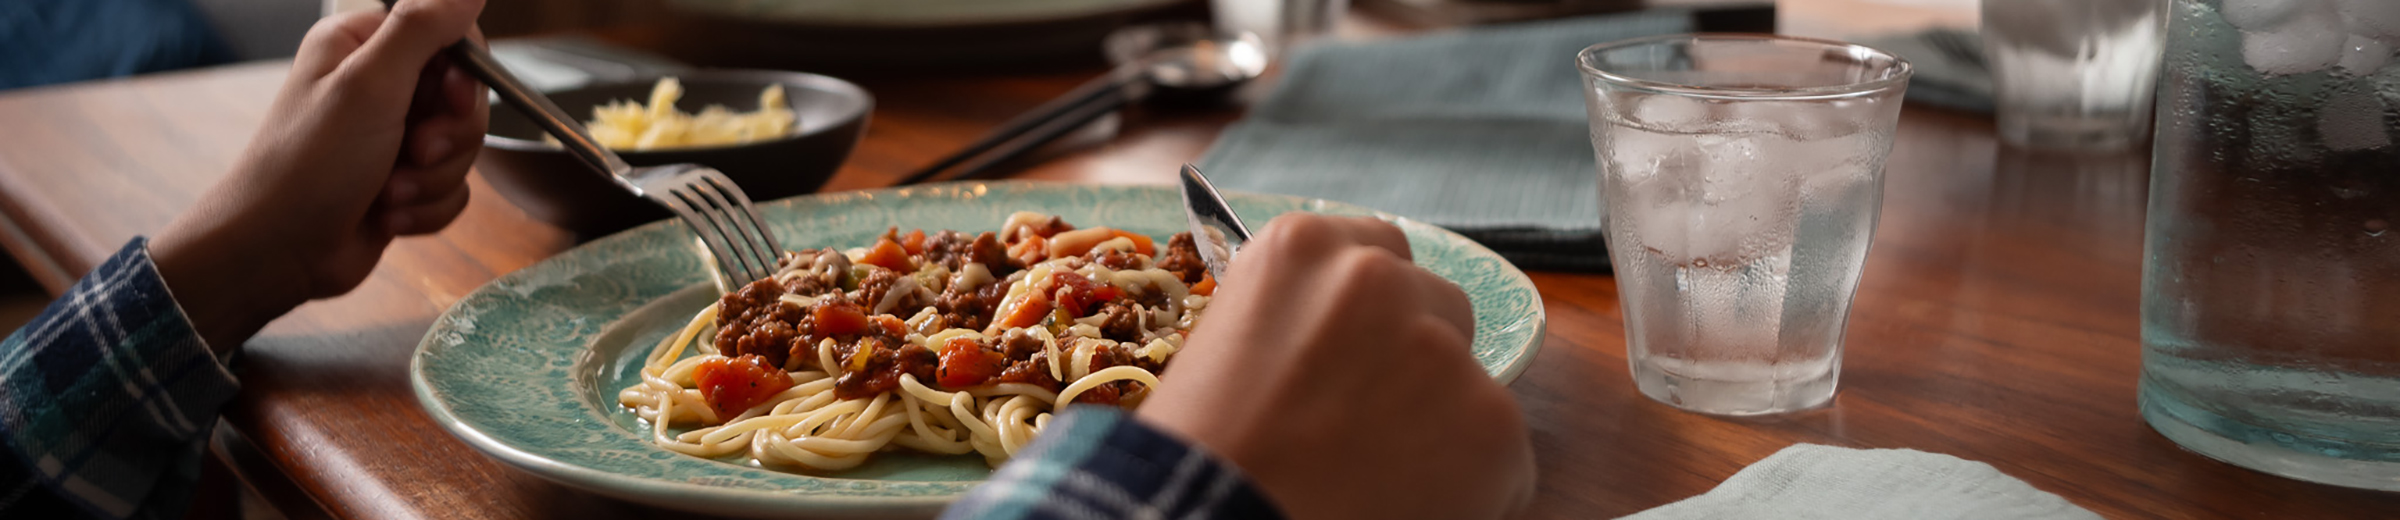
(1216,231)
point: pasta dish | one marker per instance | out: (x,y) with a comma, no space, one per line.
(943,343)
(629,125)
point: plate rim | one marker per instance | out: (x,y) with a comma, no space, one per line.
(753,502)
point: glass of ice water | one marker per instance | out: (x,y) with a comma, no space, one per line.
(1740,180)
(2073,74)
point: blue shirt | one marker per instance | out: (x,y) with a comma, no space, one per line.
(107,398)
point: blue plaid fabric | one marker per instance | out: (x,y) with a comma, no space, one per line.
(1096,463)
(106,400)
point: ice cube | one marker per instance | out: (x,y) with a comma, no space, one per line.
(2362,55)
(2378,19)
(2259,15)
(2353,120)
(2309,41)
(1670,113)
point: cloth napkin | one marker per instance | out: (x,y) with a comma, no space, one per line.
(1481,131)
(1941,79)
(1808,481)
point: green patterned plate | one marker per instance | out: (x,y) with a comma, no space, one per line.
(527,368)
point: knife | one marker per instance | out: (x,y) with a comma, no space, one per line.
(1216,231)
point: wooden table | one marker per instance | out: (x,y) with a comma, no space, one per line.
(1997,319)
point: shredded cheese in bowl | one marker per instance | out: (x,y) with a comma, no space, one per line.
(631,125)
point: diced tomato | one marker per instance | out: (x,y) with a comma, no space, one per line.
(914,242)
(888,255)
(1141,243)
(836,318)
(1031,311)
(1207,285)
(1079,295)
(731,385)
(966,363)
(891,324)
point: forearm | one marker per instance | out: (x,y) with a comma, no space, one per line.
(106,398)
(1096,462)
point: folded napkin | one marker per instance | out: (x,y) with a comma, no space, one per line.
(1481,131)
(1942,79)
(1808,481)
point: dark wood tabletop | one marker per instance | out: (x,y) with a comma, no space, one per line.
(1997,320)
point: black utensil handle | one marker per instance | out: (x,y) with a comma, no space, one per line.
(1064,105)
(1108,102)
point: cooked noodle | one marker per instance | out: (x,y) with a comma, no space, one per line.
(808,426)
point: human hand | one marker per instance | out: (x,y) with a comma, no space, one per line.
(1337,375)
(369,139)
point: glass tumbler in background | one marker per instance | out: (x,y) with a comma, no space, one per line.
(2073,74)
(1280,23)
(1740,180)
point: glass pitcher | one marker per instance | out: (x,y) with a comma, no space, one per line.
(2271,291)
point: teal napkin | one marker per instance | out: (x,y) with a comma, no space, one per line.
(1481,131)
(1474,130)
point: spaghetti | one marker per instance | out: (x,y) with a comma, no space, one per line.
(816,368)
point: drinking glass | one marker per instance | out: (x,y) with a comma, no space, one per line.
(1280,23)
(2073,74)
(1740,179)
(2271,286)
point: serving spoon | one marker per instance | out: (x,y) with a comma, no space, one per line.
(1173,61)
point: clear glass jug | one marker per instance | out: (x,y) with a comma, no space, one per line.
(2271,291)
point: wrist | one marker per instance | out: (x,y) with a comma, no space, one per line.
(226,282)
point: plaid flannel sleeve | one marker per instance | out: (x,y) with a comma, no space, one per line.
(106,400)
(1095,462)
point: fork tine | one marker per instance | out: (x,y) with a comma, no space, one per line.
(700,226)
(762,253)
(735,251)
(765,235)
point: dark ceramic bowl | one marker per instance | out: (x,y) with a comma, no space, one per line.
(553,187)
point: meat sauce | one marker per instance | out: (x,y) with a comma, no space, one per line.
(766,336)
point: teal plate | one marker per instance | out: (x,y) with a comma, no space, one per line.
(527,368)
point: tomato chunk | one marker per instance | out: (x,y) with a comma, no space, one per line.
(1079,295)
(1030,311)
(837,318)
(1207,285)
(914,242)
(966,363)
(888,255)
(731,385)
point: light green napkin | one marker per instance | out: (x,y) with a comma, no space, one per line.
(1481,131)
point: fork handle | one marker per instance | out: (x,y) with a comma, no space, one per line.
(554,120)
(578,141)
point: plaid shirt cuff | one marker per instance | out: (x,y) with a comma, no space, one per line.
(1095,462)
(107,399)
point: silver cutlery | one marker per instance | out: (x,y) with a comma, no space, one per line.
(737,239)
(1216,231)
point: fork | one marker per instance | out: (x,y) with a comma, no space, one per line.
(737,239)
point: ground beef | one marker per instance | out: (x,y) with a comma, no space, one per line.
(879,282)
(1016,345)
(968,308)
(1122,322)
(954,250)
(1115,259)
(754,321)
(884,366)
(1106,394)
(1033,371)
(1183,259)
